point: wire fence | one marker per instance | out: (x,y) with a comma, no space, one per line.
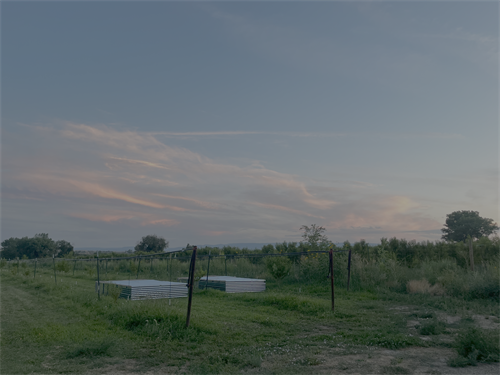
(290,268)
(296,267)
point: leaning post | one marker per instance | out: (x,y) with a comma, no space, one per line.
(191,283)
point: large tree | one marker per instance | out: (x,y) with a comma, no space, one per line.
(461,225)
(151,244)
(39,246)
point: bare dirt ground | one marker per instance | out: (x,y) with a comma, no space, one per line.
(415,361)
(405,361)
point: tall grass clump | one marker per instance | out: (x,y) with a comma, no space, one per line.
(475,345)
(152,319)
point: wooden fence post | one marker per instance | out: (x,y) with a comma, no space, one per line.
(36,260)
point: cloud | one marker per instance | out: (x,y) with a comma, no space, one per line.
(426,135)
(130,181)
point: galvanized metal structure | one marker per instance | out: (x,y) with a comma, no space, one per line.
(147,289)
(231,284)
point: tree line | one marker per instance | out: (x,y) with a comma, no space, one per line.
(460,230)
(39,246)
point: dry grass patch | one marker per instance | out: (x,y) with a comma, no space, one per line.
(424,287)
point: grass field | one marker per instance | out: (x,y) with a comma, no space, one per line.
(62,328)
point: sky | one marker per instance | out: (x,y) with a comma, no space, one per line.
(224,122)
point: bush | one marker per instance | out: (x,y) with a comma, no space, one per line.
(475,345)
(62,266)
(432,327)
(278,267)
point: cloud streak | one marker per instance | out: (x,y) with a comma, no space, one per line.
(132,181)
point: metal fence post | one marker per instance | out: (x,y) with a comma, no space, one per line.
(138,267)
(349,270)
(331,279)
(190,284)
(208,269)
(54,261)
(98,281)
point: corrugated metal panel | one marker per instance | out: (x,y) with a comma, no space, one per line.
(149,289)
(231,284)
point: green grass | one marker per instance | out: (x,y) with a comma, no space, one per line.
(51,328)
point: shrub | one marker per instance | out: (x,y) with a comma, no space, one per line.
(475,345)
(62,266)
(432,327)
(278,267)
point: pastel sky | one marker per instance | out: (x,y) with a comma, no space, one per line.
(219,122)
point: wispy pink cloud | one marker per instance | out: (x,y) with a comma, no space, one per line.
(137,181)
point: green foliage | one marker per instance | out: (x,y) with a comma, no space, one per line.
(463,224)
(63,266)
(39,246)
(395,341)
(114,292)
(278,267)
(432,327)
(314,236)
(64,248)
(151,244)
(475,345)
(153,320)
(3,263)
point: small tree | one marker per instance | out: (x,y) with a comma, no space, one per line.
(151,244)
(64,248)
(313,235)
